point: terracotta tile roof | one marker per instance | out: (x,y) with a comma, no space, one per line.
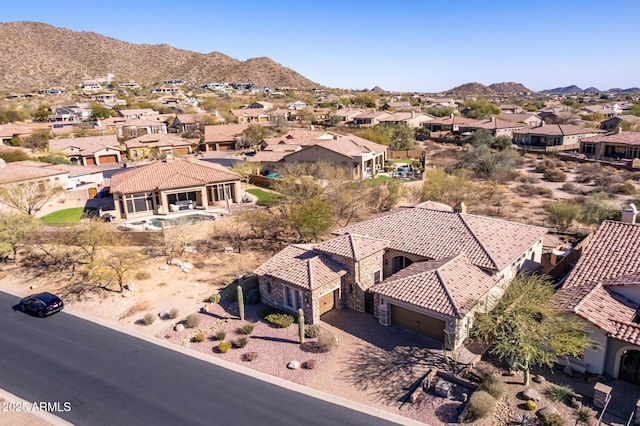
(626,138)
(609,264)
(456,119)
(352,246)
(303,267)
(372,115)
(558,130)
(268,156)
(435,234)
(449,286)
(494,124)
(177,173)
(137,112)
(85,146)
(224,132)
(518,117)
(159,140)
(21,171)
(194,118)
(347,112)
(10,130)
(249,112)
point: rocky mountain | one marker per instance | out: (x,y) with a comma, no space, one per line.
(564,90)
(36,56)
(509,88)
(495,89)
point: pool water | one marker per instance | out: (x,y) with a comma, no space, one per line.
(185,219)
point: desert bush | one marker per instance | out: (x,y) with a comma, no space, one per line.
(545,165)
(530,405)
(173,313)
(280,320)
(531,190)
(192,321)
(220,335)
(493,386)
(246,329)
(326,342)
(241,341)
(224,347)
(231,294)
(268,310)
(199,337)
(215,298)
(528,178)
(627,188)
(250,356)
(559,393)
(142,275)
(570,188)
(311,331)
(253,297)
(481,405)
(310,364)
(555,175)
(149,318)
(553,420)
(199,264)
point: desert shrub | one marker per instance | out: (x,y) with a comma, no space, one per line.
(311,331)
(199,264)
(220,335)
(531,190)
(241,341)
(231,294)
(173,313)
(250,356)
(268,310)
(528,178)
(480,405)
(326,342)
(142,275)
(253,297)
(553,420)
(493,386)
(199,337)
(555,175)
(570,188)
(627,188)
(279,320)
(559,393)
(224,347)
(215,298)
(149,318)
(192,321)
(246,329)
(545,165)
(310,364)
(530,405)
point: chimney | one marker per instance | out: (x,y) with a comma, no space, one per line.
(312,127)
(619,129)
(629,214)
(461,208)
(413,114)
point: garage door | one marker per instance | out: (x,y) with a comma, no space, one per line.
(180,151)
(226,147)
(90,161)
(106,159)
(414,321)
(327,302)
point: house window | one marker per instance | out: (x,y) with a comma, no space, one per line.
(376,277)
(399,262)
(292,298)
(140,202)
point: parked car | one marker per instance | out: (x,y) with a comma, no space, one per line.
(42,304)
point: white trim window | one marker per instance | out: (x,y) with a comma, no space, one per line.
(292,298)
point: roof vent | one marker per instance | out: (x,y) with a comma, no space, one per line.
(629,214)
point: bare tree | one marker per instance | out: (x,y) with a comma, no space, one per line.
(28,197)
(15,230)
(115,266)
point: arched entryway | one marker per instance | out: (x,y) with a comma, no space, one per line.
(630,367)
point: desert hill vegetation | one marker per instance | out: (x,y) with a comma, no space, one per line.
(37,55)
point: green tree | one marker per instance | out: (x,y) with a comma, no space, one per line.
(28,197)
(11,156)
(489,164)
(526,329)
(254,134)
(402,138)
(15,230)
(481,109)
(596,209)
(42,113)
(311,218)
(365,100)
(562,213)
(100,112)
(451,189)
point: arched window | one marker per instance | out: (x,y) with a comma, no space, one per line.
(630,367)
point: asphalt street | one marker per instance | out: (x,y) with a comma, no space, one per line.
(93,375)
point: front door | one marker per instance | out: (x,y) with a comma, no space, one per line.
(630,367)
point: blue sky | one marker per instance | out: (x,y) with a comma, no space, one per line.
(407,45)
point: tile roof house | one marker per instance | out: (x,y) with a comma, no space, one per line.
(608,110)
(370,118)
(88,151)
(411,119)
(158,145)
(530,119)
(553,137)
(190,123)
(347,114)
(497,127)
(222,137)
(134,127)
(9,131)
(451,123)
(137,114)
(604,290)
(251,115)
(615,122)
(170,185)
(619,146)
(425,268)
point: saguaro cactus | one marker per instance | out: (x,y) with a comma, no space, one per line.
(241,303)
(301,325)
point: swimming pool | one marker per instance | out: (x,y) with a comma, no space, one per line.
(155,223)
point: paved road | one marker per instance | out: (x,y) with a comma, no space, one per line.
(112,378)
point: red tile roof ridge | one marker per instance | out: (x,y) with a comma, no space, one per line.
(475,237)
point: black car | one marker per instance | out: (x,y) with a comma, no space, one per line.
(42,304)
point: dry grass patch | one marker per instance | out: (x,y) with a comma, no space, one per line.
(137,308)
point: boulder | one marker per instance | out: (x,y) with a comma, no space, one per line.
(163,315)
(531,394)
(190,249)
(33,286)
(130,286)
(539,378)
(174,261)
(179,327)
(293,365)
(163,268)
(548,411)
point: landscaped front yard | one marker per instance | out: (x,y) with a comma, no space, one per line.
(66,216)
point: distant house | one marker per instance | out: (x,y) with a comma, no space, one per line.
(10,131)
(411,119)
(32,171)
(494,126)
(617,146)
(451,123)
(603,289)
(608,110)
(510,109)
(223,137)
(158,146)
(616,122)
(295,105)
(553,137)
(133,128)
(262,105)
(190,123)
(397,106)
(405,270)
(78,112)
(251,115)
(370,119)
(530,119)
(443,103)
(167,186)
(88,151)
(138,114)
(347,115)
